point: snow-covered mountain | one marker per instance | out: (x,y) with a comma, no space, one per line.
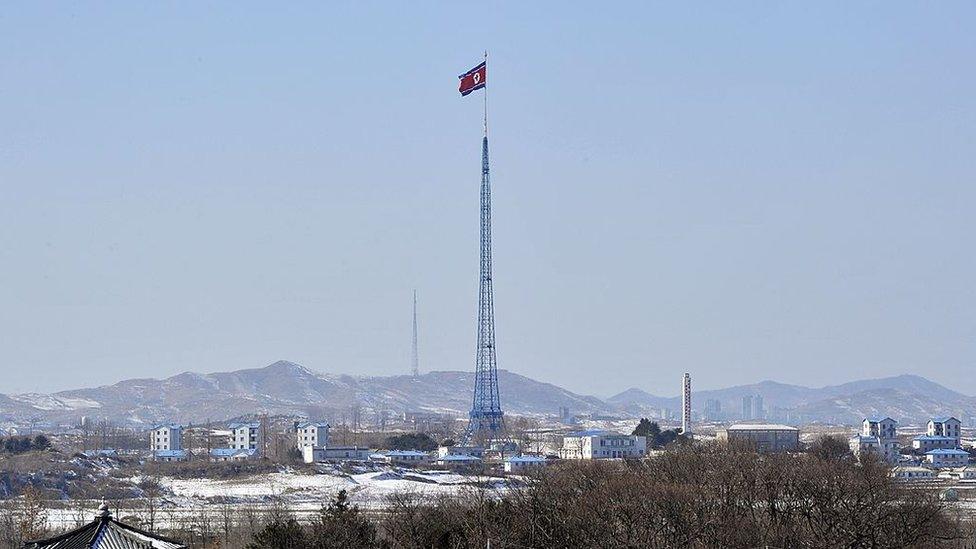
(282,388)
(288,388)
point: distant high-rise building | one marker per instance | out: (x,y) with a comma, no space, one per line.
(713,410)
(564,415)
(758,412)
(747,407)
(686,404)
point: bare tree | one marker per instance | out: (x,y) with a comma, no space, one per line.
(152,491)
(31,514)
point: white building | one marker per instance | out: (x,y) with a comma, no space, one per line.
(475,451)
(171,455)
(233,454)
(912,473)
(522,464)
(925,443)
(166,437)
(947,457)
(861,445)
(883,428)
(403,457)
(457,461)
(602,445)
(945,427)
(311,454)
(246,436)
(315,435)
(884,432)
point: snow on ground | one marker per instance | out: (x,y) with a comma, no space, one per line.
(369,489)
(49,402)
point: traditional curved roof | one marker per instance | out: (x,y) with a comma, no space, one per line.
(106,533)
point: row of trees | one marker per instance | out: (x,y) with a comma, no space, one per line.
(21,444)
(690,496)
(339,525)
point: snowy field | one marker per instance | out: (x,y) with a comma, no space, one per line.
(300,493)
(367,489)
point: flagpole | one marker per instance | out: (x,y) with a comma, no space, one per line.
(486,94)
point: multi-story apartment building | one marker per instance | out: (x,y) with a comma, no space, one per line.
(945,427)
(877,435)
(166,437)
(861,444)
(315,435)
(246,436)
(884,428)
(602,445)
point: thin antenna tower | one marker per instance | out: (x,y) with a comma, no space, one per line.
(415,364)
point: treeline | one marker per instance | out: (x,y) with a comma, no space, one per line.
(656,438)
(690,496)
(412,441)
(21,444)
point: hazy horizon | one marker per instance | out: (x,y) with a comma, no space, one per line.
(664,392)
(744,192)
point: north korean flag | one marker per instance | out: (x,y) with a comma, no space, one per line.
(474,79)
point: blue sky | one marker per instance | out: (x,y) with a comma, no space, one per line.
(743,191)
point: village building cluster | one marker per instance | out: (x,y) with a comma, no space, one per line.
(312,441)
(936,453)
(936,450)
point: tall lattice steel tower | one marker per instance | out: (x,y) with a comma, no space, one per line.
(415,358)
(486,419)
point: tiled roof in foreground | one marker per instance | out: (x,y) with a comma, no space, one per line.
(106,533)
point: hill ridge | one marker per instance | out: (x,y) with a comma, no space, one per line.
(289,387)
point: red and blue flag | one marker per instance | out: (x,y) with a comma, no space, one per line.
(474,79)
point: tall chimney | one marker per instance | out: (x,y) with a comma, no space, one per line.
(686,404)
